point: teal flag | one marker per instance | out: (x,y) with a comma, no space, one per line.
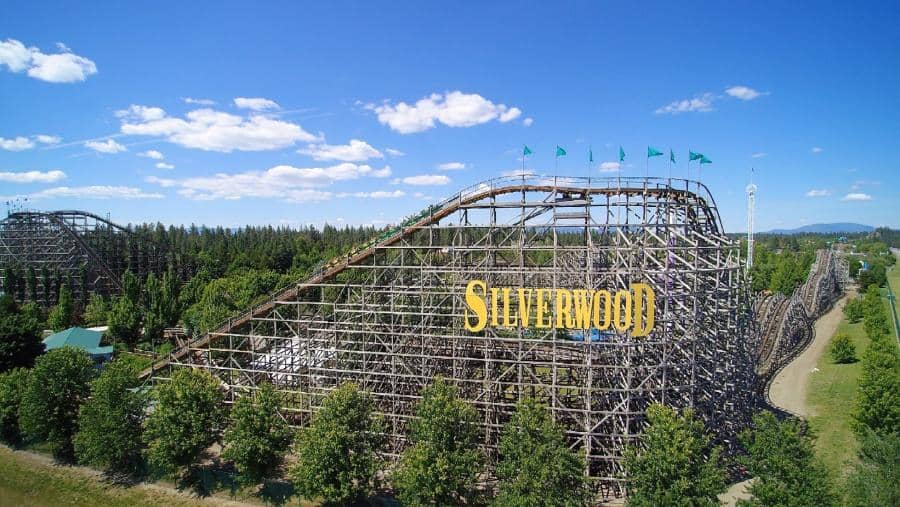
(671,156)
(653,152)
(704,160)
(560,152)
(590,155)
(526,151)
(694,156)
(621,154)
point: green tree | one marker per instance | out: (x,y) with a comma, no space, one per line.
(536,466)
(125,321)
(257,436)
(20,334)
(854,310)
(842,349)
(876,479)
(11,384)
(674,464)
(63,314)
(337,452)
(187,418)
(442,464)
(32,284)
(878,398)
(153,319)
(782,459)
(57,386)
(96,312)
(109,423)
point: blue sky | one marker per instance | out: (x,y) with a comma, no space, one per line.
(346,112)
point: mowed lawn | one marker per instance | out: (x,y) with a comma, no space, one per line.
(29,480)
(832,394)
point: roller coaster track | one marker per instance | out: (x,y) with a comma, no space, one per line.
(60,240)
(786,323)
(695,199)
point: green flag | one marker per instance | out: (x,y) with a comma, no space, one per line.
(653,152)
(560,152)
(671,156)
(704,160)
(621,154)
(694,156)
(526,151)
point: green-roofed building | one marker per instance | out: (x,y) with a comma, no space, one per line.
(85,339)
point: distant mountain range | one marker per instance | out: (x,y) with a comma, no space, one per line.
(825,229)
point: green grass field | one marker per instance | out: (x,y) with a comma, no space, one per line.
(832,394)
(28,481)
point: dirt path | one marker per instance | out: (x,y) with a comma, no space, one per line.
(788,389)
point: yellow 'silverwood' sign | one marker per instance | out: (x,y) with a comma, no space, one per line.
(560,308)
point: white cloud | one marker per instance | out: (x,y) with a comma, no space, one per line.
(110,146)
(609,167)
(857,196)
(758,155)
(155,155)
(95,192)
(280,182)
(744,92)
(528,122)
(378,194)
(163,165)
(33,177)
(355,151)
(451,166)
(21,143)
(394,152)
(701,103)
(199,102)
(163,182)
(816,149)
(426,179)
(64,67)
(818,193)
(256,103)
(211,130)
(18,143)
(454,109)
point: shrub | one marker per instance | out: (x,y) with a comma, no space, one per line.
(878,399)
(109,424)
(442,464)
(854,310)
(57,386)
(336,453)
(12,385)
(187,418)
(258,436)
(536,466)
(842,350)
